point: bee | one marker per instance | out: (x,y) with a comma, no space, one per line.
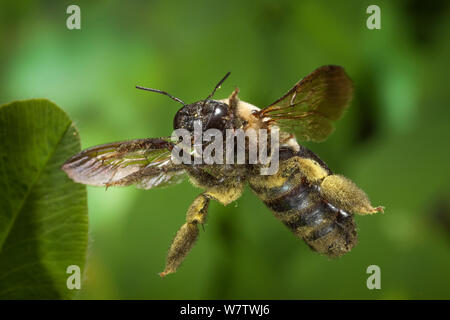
(304,194)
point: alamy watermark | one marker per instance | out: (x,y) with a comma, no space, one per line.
(207,147)
(74,20)
(374,20)
(74,280)
(374,280)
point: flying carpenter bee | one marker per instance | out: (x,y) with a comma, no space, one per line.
(315,204)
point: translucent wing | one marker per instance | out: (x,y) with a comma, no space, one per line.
(144,162)
(309,109)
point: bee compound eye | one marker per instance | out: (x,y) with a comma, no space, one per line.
(217,119)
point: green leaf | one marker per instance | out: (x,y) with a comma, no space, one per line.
(43,214)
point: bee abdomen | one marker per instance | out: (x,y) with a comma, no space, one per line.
(325,228)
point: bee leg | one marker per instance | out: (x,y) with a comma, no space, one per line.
(187,235)
(233,102)
(345,194)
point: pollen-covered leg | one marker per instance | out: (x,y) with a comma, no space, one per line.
(345,194)
(187,235)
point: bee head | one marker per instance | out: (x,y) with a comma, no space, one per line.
(212,114)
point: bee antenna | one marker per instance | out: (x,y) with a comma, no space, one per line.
(218,86)
(162,92)
(214,91)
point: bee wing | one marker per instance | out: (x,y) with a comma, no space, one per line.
(309,109)
(148,180)
(144,162)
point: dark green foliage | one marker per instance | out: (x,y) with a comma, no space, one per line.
(43,214)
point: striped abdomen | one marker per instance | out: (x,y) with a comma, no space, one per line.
(300,205)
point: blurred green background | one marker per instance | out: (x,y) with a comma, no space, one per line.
(393,141)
